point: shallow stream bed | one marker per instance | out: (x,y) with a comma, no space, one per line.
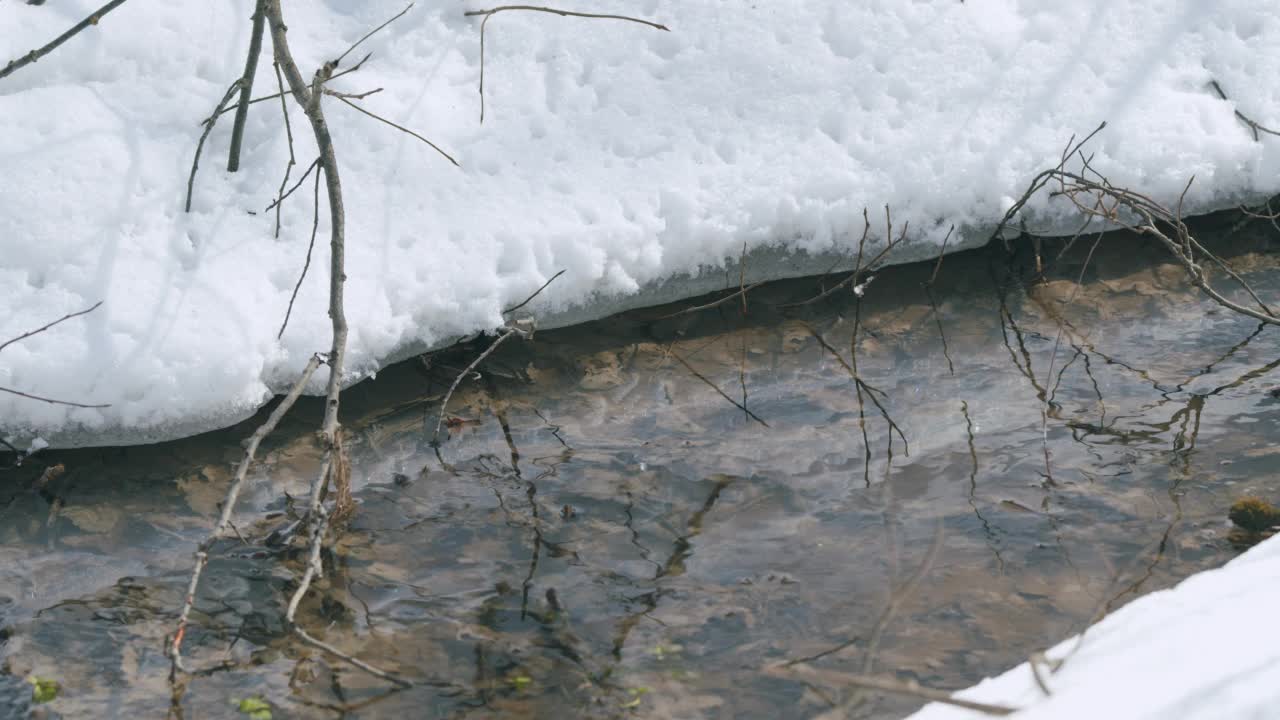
(636,516)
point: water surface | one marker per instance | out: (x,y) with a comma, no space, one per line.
(635,516)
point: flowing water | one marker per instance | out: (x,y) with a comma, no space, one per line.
(636,516)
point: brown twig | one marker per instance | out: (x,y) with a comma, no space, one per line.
(713,386)
(535,294)
(538,8)
(293,160)
(246,87)
(315,226)
(886,684)
(34,55)
(741,293)
(401,128)
(37,331)
(285,195)
(228,507)
(370,34)
(444,403)
(208,128)
(1250,122)
(45,327)
(51,401)
(859,269)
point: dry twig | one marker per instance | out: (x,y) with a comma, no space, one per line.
(208,128)
(886,684)
(34,55)
(538,8)
(37,331)
(228,508)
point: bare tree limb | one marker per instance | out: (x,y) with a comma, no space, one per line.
(34,55)
(535,294)
(246,87)
(37,331)
(538,8)
(51,401)
(444,403)
(208,128)
(42,328)
(228,507)
(315,226)
(293,160)
(370,34)
(401,128)
(1250,122)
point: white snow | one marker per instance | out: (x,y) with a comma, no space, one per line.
(629,157)
(1206,649)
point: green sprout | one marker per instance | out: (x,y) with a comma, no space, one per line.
(255,708)
(43,689)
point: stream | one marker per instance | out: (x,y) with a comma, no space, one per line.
(637,516)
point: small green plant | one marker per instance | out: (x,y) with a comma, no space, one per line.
(636,694)
(43,690)
(255,708)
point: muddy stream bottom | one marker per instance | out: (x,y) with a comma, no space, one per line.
(635,516)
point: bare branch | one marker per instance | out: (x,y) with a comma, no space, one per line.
(370,34)
(281,198)
(538,8)
(1253,125)
(535,294)
(444,404)
(208,127)
(740,293)
(886,684)
(293,160)
(228,507)
(34,55)
(401,128)
(42,328)
(51,401)
(315,225)
(722,393)
(246,87)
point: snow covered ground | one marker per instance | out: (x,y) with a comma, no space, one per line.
(1206,649)
(632,158)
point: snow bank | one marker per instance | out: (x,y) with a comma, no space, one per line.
(1205,649)
(637,160)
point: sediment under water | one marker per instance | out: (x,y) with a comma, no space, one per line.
(635,516)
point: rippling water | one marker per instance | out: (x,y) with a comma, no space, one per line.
(634,517)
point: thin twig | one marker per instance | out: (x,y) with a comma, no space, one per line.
(401,128)
(370,34)
(315,226)
(537,8)
(246,87)
(293,160)
(37,331)
(535,294)
(742,293)
(38,53)
(303,178)
(889,685)
(444,403)
(713,386)
(195,162)
(51,401)
(42,328)
(1253,125)
(228,507)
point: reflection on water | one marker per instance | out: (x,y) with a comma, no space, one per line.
(635,516)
